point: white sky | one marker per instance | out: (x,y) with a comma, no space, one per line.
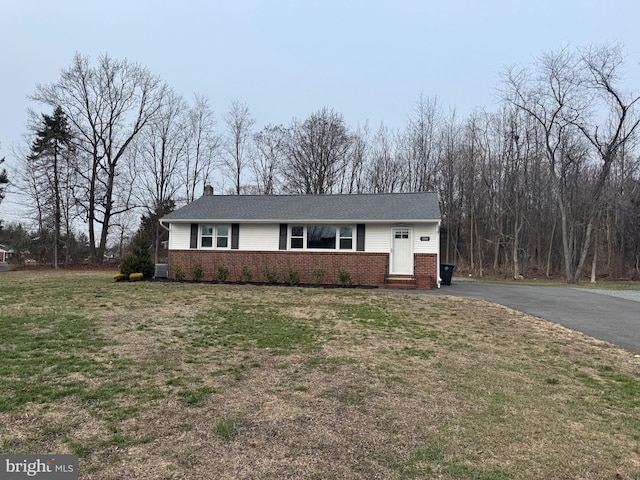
(368,59)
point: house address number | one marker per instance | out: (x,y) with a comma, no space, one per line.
(424,239)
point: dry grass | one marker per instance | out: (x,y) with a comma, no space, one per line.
(165,380)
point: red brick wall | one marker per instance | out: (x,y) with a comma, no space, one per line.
(365,268)
(426,270)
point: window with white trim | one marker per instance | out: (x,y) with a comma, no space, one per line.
(321,237)
(206,236)
(346,238)
(297,236)
(217,235)
(222,236)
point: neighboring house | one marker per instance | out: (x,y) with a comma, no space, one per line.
(5,254)
(380,240)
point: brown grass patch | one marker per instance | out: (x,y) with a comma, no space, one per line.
(371,385)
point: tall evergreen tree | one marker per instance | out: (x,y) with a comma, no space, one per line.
(4,180)
(109,105)
(139,259)
(151,228)
(51,172)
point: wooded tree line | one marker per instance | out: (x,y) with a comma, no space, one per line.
(547,184)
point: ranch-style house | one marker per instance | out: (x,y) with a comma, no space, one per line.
(388,240)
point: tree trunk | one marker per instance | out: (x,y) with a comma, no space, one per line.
(516,247)
(91,213)
(471,241)
(480,254)
(550,251)
(56,213)
(594,263)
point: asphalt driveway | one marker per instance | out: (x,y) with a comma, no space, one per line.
(605,316)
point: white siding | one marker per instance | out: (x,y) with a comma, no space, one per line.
(259,237)
(179,236)
(252,236)
(266,237)
(377,238)
(425,230)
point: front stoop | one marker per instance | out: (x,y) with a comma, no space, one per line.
(401,282)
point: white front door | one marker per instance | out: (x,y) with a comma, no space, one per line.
(401,253)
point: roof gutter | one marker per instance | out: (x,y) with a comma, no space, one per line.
(302,220)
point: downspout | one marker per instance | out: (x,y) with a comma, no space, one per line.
(167,229)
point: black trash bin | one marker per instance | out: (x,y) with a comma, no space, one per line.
(446,272)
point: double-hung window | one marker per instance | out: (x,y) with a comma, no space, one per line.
(297,236)
(222,236)
(346,238)
(217,235)
(206,236)
(321,237)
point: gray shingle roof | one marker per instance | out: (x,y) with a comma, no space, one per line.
(286,208)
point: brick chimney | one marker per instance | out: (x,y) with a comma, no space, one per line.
(208,191)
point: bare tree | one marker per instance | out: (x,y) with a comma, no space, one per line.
(421,138)
(202,147)
(452,190)
(108,105)
(270,146)
(620,226)
(385,172)
(239,125)
(468,164)
(354,179)
(160,159)
(566,97)
(317,153)
(608,137)
(31,185)
(518,142)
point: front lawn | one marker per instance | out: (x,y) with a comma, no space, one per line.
(160,380)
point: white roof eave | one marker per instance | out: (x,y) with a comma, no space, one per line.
(298,220)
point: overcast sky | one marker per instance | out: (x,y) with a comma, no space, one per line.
(369,60)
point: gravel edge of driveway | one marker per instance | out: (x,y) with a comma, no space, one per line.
(627,294)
